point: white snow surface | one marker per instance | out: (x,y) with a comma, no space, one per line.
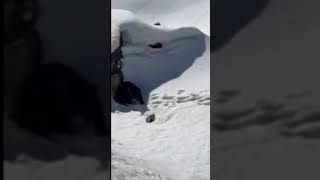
(170,14)
(175,83)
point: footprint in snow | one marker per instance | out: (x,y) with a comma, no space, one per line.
(166,97)
(181,91)
(169,101)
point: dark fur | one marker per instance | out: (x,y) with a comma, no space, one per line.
(54,94)
(127,92)
(22,47)
(17,24)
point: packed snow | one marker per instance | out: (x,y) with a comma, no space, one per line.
(175,83)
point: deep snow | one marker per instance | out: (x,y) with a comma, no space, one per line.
(175,82)
(170,14)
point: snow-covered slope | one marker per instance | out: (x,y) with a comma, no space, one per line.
(266,113)
(175,82)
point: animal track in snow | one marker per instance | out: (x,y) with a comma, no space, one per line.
(166,97)
(182,97)
(294,119)
(154,97)
(180,91)
(168,101)
(156,102)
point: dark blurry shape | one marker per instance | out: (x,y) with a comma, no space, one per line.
(128,93)
(22,48)
(151,118)
(57,99)
(45,98)
(230,16)
(116,56)
(157,24)
(225,96)
(156,45)
(20,17)
(116,66)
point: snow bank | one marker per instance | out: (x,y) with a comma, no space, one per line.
(181,49)
(175,82)
(170,14)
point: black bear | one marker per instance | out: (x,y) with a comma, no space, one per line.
(54,96)
(23,48)
(128,93)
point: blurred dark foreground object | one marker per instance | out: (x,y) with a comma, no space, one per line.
(230,16)
(57,99)
(22,47)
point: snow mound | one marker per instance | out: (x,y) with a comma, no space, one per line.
(175,83)
(184,51)
(170,14)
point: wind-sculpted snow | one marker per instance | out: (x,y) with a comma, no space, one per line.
(175,83)
(170,14)
(183,51)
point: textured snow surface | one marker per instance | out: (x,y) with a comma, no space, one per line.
(175,83)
